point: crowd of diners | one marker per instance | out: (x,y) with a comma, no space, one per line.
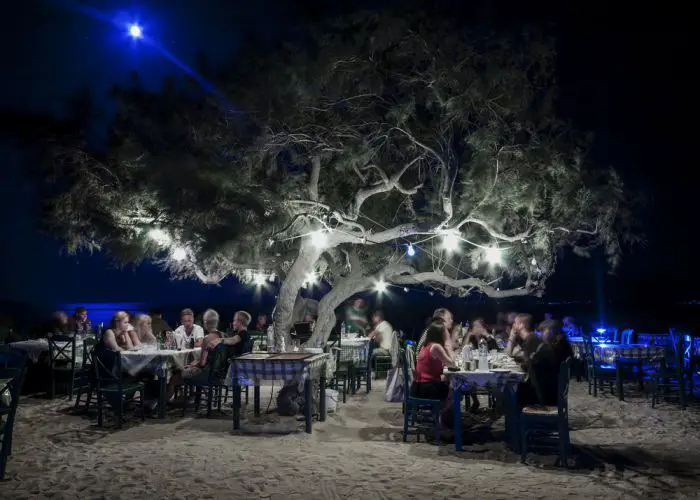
(539,354)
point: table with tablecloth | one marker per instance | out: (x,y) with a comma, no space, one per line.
(256,367)
(161,362)
(608,353)
(505,381)
(34,349)
(354,350)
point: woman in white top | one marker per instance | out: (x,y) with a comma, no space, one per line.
(143,333)
(117,338)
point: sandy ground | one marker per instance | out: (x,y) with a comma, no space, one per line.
(623,450)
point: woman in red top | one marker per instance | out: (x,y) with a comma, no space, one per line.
(435,354)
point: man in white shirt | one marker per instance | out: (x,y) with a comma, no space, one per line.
(187,331)
(383,333)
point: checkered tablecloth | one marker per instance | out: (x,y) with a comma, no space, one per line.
(464,381)
(658,339)
(354,350)
(35,348)
(250,370)
(162,362)
(607,353)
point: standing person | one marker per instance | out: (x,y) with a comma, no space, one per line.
(382,333)
(188,331)
(356,317)
(80,323)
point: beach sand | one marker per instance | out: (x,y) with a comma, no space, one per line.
(623,450)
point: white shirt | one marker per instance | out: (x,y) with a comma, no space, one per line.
(385,331)
(197,333)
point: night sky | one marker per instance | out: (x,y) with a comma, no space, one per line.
(627,80)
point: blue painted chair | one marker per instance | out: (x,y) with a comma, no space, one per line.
(421,414)
(362,371)
(597,372)
(549,420)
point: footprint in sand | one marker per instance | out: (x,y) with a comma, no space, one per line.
(329,491)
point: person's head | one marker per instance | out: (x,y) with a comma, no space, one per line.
(241,320)
(523,324)
(568,321)
(187,318)
(60,318)
(550,330)
(358,303)
(80,313)
(308,318)
(377,317)
(156,313)
(120,322)
(478,325)
(144,324)
(445,315)
(548,316)
(510,318)
(435,334)
(262,320)
(210,319)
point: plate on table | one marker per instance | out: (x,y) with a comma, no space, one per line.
(500,370)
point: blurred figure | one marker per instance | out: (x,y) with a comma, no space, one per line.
(60,323)
(548,316)
(158,323)
(477,332)
(553,335)
(383,333)
(443,315)
(261,323)
(569,327)
(356,317)
(80,323)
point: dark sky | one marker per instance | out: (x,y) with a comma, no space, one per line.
(628,80)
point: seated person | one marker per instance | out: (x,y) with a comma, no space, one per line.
(117,337)
(553,335)
(142,334)
(383,333)
(188,333)
(537,361)
(433,357)
(477,332)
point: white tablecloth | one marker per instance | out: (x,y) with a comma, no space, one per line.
(35,348)
(161,362)
(354,350)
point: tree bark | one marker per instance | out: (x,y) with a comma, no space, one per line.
(293,281)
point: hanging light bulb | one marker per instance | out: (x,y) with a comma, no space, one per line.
(410,251)
(493,255)
(380,286)
(259,279)
(450,240)
(319,239)
(271,278)
(160,236)
(405,289)
(533,262)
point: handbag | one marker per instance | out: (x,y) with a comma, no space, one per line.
(395,386)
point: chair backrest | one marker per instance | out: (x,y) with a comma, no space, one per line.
(627,336)
(61,349)
(107,365)
(88,347)
(403,360)
(218,365)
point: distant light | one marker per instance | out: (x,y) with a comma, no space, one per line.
(259,279)
(179,254)
(319,239)
(272,278)
(493,255)
(533,262)
(601,330)
(380,286)
(135,31)
(410,251)
(310,279)
(405,289)
(160,236)
(450,240)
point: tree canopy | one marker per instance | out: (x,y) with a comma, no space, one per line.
(374,133)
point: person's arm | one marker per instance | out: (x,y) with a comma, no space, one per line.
(445,356)
(511,343)
(133,336)
(198,335)
(232,340)
(129,343)
(110,341)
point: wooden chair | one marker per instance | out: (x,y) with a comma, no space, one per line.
(62,362)
(362,372)
(549,420)
(597,372)
(85,379)
(210,381)
(110,385)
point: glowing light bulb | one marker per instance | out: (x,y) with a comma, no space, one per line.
(534,261)
(410,251)
(405,289)
(179,254)
(135,31)
(160,236)
(380,286)
(493,255)
(310,279)
(272,278)
(319,239)
(450,241)
(259,279)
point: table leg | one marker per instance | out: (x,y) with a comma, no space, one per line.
(308,404)
(322,395)
(353,380)
(256,399)
(163,400)
(236,406)
(513,418)
(457,415)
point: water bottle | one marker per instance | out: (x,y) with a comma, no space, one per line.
(342,329)
(466,358)
(192,342)
(483,355)
(271,338)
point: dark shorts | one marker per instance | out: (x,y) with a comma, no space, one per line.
(430,390)
(196,374)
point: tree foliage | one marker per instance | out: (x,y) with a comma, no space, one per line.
(380,130)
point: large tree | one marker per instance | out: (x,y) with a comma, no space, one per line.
(334,155)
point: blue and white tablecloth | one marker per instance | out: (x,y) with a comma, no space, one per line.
(249,369)
(608,353)
(464,381)
(354,350)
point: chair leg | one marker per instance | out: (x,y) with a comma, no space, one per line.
(71,385)
(523,443)
(119,409)
(77,398)
(89,399)
(247,389)
(405,422)
(100,409)
(142,406)
(210,397)
(52,391)
(436,418)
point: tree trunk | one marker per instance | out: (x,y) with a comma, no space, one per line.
(343,290)
(293,281)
